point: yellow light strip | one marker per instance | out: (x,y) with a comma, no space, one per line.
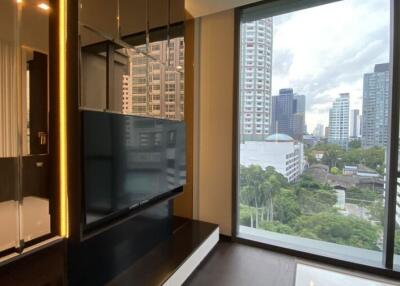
(64,225)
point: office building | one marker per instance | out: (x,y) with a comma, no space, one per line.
(355,124)
(299,116)
(255,79)
(282,112)
(339,121)
(288,113)
(376,107)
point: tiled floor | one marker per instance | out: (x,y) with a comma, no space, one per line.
(241,265)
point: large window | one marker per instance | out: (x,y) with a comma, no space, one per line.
(314,128)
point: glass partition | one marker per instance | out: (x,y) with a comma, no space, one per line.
(138,53)
(24,134)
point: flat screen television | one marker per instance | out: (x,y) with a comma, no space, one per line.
(129,161)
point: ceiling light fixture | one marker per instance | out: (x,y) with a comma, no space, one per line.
(44,6)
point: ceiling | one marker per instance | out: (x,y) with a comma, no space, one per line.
(199,8)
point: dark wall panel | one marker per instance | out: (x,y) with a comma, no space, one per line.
(99,259)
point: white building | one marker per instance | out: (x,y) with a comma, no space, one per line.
(339,121)
(279,151)
(255,79)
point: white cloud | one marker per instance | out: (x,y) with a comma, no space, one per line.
(323,51)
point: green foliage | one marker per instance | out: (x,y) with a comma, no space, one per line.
(377,211)
(305,209)
(334,227)
(354,144)
(335,171)
(335,156)
(362,196)
(286,206)
(245,215)
(397,243)
(332,155)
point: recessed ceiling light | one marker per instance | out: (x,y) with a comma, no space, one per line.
(19,1)
(44,6)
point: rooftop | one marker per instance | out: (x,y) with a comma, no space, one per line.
(279,137)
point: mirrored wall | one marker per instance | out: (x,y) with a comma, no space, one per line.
(24,118)
(132,57)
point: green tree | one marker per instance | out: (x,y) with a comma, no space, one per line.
(286,206)
(362,196)
(334,227)
(332,155)
(335,171)
(354,144)
(374,158)
(257,189)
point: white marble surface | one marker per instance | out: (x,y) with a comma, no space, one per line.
(308,275)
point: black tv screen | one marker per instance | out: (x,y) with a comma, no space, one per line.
(129,161)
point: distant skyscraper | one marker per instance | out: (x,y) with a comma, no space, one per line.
(339,121)
(288,113)
(355,123)
(255,79)
(375,107)
(299,104)
(299,116)
(327,132)
(319,131)
(282,112)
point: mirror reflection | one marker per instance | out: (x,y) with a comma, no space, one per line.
(24,109)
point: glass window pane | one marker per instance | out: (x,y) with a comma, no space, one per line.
(9,149)
(314,94)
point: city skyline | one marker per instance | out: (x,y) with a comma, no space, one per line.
(310,67)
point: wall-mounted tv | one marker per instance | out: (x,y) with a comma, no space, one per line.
(129,161)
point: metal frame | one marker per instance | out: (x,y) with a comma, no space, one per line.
(387,268)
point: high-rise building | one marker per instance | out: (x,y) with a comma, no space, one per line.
(282,112)
(299,103)
(126,94)
(355,124)
(339,121)
(158,88)
(255,79)
(376,107)
(319,131)
(327,132)
(299,116)
(288,113)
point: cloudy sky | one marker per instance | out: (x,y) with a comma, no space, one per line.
(323,51)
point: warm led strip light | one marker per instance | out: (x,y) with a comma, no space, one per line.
(63,119)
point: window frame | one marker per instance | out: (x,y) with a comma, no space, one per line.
(387,268)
